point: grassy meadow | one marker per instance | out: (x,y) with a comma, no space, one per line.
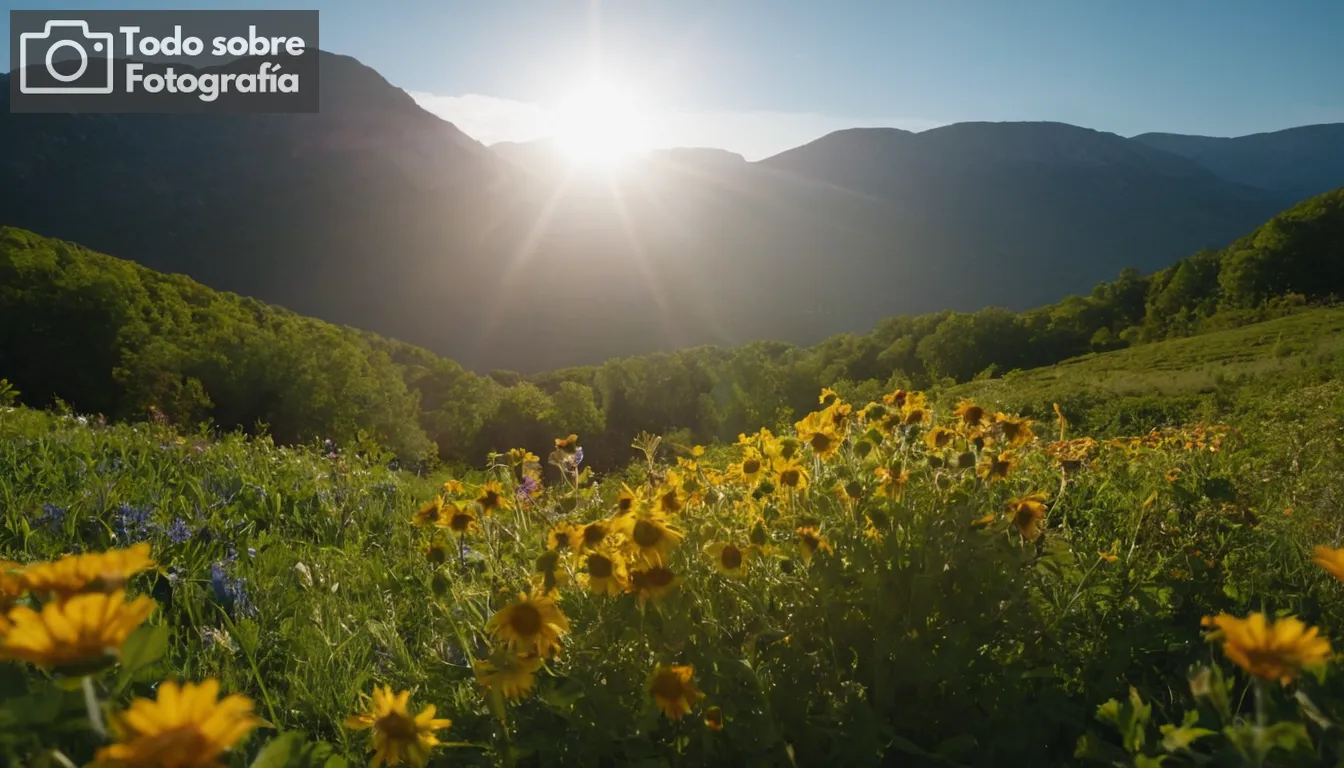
(910,578)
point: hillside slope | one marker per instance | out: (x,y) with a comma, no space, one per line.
(1297,162)
(105,335)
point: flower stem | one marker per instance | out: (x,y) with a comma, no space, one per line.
(92,705)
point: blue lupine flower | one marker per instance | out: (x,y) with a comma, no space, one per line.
(133,525)
(231,591)
(578,456)
(528,488)
(179,532)
(52,516)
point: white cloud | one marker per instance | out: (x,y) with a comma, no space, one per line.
(754,135)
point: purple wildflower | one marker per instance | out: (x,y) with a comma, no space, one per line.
(133,525)
(528,488)
(52,516)
(179,532)
(231,591)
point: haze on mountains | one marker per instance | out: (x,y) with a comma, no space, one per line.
(377,214)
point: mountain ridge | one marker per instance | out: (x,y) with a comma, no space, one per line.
(383,216)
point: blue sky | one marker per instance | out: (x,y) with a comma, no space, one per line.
(756,76)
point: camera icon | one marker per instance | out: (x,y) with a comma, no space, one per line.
(93,50)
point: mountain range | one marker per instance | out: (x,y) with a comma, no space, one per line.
(377,214)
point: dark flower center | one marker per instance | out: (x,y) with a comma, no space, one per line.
(820,442)
(731,557)
(594,534)
(667,686)
(397,727)
(525,620)
(751,466)
(599,567)
(658,577)
(647,534)
(670,501)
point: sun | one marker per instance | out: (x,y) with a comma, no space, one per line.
(600,125)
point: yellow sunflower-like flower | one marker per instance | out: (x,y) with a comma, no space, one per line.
(547,575)
(810,542)
(819,433)
(790,475)
(628,502)
(1269,650)
(828,397)
(436,552)
(461,519)
(531,625)
(493,498)
(521,456)
(915,412)
(560,537)
(92,572)
(784,448)
(650,537)
(1015,431)
(652,583)
(83,633)
(939,438)
(398,737)
(1027,514)
(453,487)
(673,690)
(511,675)
(751,469)
(891,481)
(1332,560)
(970,414)
(996,468)
(11,584)
(605,572)
(729,559)
(670,498)
(567,444)
(849,491)
(593,535)
(185,726)
(431,513)
(896,399)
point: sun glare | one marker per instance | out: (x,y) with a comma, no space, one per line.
(600,125)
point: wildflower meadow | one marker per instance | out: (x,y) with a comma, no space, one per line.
(900,581)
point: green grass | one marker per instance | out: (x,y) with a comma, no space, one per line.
(934,643)
(1184,366)
(1174,381)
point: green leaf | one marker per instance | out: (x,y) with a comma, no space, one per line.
(144,647)
(1093,747)
(1176,738)
(278,751)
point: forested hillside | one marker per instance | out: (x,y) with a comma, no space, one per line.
(106,336)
